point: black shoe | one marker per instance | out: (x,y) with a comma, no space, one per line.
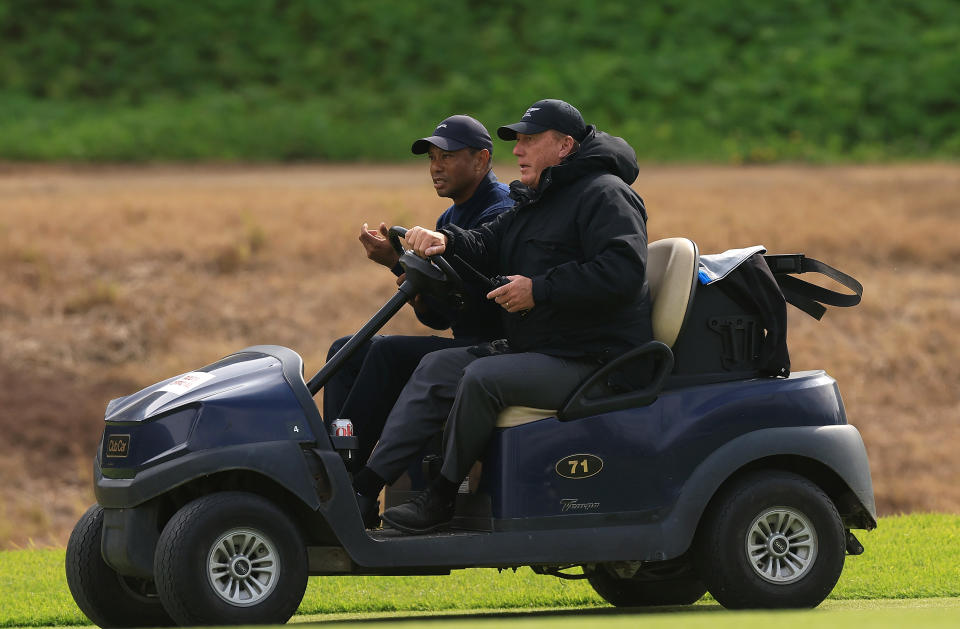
(369,510)
(429,510)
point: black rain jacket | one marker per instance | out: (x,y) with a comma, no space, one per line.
(581,237)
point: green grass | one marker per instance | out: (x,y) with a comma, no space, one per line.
(258,126)
(907,557)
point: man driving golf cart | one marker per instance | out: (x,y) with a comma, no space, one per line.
(574,250)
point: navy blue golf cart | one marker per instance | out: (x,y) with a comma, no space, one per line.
(221,490)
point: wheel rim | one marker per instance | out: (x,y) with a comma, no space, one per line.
(781,545)
(243,567)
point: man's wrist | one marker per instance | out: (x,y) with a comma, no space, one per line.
(541,290)
(448,237)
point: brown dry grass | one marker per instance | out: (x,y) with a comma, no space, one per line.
(113,278)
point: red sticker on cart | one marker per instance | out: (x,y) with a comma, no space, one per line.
(187,381)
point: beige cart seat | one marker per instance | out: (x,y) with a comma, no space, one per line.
(672,266)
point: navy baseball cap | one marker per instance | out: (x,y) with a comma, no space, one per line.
(455,133)
(549,113)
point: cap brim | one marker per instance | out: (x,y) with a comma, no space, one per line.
(510,131)
(422,145)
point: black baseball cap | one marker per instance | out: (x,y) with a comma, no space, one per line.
(549,113)
(455,133)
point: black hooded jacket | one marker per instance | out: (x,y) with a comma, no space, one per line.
(581,237)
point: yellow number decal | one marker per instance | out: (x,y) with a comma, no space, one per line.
(577,466)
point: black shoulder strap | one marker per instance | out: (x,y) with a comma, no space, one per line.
(810,297)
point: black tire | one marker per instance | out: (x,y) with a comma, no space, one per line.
(230,558)
(105,597)
(794,532)
(645,592)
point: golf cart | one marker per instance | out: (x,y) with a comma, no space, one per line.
(221,490)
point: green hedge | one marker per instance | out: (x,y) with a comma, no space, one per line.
(354,79)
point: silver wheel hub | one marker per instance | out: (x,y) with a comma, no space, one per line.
(243,567)
(240,567)
(781,545)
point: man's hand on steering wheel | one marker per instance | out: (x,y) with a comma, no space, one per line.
(425,242)
(427,246)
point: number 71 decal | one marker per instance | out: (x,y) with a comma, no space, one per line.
(579,466)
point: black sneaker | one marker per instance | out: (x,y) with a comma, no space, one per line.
(429,510)
(369,510)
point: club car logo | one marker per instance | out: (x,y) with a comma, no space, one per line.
(118,445)
(579,466)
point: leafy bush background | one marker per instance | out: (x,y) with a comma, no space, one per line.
(703,80)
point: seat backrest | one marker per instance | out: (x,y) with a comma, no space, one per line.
(672,268)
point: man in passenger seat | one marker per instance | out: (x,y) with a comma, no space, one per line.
(574,249)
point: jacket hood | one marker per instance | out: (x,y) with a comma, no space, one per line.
(601,151)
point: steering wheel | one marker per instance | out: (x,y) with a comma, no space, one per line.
(395,234)
(437,262)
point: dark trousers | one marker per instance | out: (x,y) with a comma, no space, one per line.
(367,385)
(467,393)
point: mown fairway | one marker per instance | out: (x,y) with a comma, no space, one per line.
(908,558)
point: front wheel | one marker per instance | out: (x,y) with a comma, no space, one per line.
(231,558)
(107,598)
(772,540)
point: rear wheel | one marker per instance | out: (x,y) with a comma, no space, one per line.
(107,598)
(231,558)
(641,591)
(772,540)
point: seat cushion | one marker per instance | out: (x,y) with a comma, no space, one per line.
(519,415)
